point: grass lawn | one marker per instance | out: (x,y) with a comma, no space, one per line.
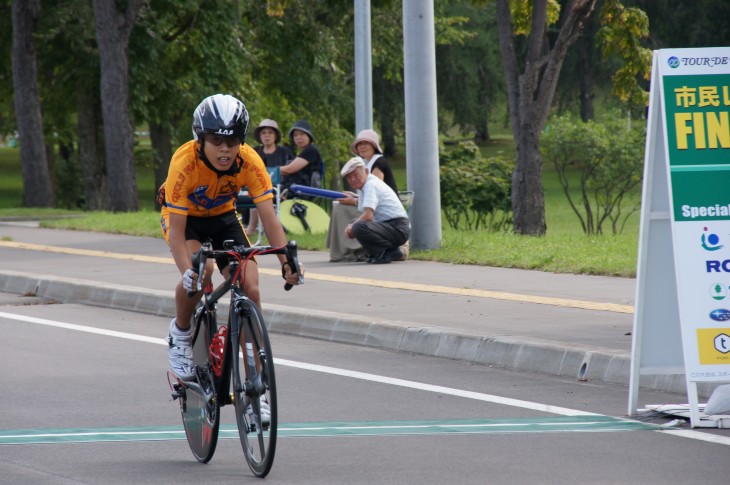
(565,249)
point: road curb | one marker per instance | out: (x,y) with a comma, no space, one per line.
(532,355)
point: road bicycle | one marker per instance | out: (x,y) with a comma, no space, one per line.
(233,363)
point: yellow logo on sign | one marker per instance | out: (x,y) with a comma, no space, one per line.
(714,345)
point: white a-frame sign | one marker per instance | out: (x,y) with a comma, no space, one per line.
(682,318)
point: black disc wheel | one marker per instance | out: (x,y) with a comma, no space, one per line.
(199,406)
(254,385)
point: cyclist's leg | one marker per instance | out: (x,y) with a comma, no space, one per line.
(194,230)
(199,405)
(253,222)
(251,282)
(184,304)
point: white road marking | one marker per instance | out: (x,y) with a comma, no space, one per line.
(372,378)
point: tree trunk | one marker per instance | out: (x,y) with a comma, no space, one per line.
(585,81)
(383,103)
(528,200)
(161,139)
(37,187)
(530,93)
(91,152)
(113,27)
(388,140)
(587,53)
(482,128)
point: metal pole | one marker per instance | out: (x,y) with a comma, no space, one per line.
(422,148)
(363,67)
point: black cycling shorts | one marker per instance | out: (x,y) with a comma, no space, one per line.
(216,229)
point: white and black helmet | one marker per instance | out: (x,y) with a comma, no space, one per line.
(221,114)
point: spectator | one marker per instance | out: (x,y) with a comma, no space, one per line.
(307,167)
(344,211)
(368,147)
(383,225)
(268,135)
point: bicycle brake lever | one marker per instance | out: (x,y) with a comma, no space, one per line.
(198,260)
(293,260)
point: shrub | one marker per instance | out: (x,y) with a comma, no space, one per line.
(607,158)
(475,192)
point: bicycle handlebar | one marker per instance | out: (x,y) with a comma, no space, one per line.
(201,256)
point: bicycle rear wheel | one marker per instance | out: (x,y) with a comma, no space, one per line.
(253,381)
(199,406)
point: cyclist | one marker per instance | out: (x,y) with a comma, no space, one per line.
(198,203)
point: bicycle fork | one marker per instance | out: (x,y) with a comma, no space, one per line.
(245,337)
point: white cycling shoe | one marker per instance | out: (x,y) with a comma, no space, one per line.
(180,352)
(265,411)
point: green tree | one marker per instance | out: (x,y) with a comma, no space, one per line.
(530,87)
(532,78)
(72,102)
(609,60)
(114,21)
(36,177)
(307,60)
(7,120)
(620,35)
(608,159)
(686,23)
(475,192)
(469,77)
(388,95)
(181,52)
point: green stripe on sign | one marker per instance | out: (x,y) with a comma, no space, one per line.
(561,424)
(699,168)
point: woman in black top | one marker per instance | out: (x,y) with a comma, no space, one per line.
(308,167)
(269,137)
(267,133)
(368,147)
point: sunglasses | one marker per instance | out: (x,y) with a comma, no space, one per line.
(218,140)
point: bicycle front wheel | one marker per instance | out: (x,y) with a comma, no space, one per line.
(200,407)
(254,385)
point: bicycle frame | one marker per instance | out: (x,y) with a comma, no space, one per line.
(222,377)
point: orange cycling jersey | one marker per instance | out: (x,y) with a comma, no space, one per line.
(194,189)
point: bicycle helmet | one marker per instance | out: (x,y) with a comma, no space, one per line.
(221,114)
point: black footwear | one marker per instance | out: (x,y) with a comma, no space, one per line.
(395,255)
(382,258)
(375,257)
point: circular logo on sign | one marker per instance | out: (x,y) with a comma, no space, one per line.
(710,241)
(673,62)
(718,291)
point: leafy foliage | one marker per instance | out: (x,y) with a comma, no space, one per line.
(608,156)
(522,15)
(475,192)
(468,69)
(620,36)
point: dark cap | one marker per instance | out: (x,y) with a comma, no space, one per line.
(301,125)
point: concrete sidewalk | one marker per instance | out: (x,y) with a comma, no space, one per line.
(569,325)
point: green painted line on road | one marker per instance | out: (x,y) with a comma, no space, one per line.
(562,424)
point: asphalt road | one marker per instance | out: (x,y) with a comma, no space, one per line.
(380,416)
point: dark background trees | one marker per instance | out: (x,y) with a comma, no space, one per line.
(36,175)
(291,59)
